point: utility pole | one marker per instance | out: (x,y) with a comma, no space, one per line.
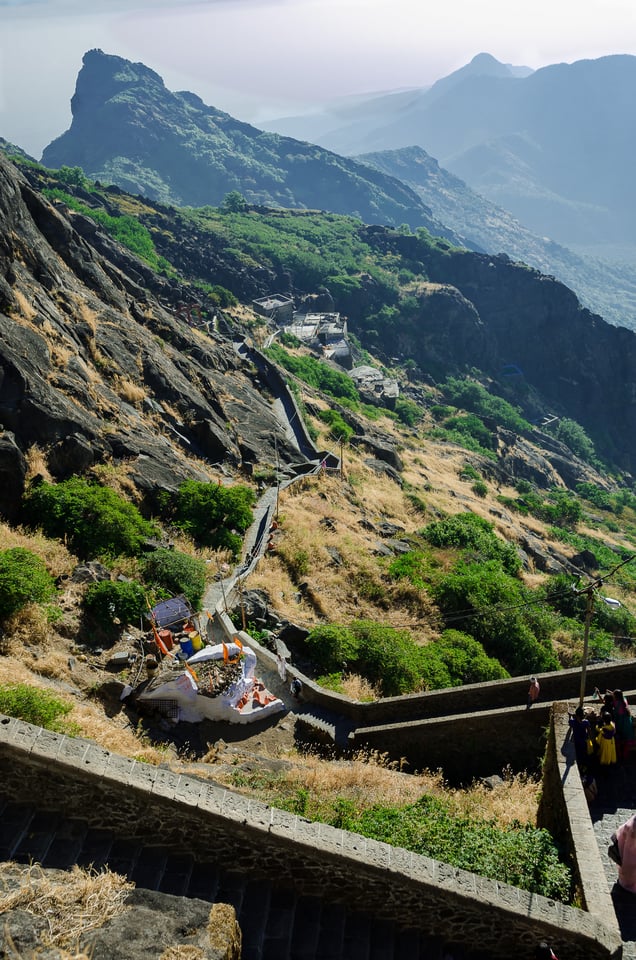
(589,610)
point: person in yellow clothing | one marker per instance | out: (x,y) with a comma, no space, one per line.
(606,740)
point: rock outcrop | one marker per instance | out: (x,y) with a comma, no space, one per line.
(96,365)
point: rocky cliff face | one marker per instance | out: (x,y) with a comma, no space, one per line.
(94,369)
(523,329)
(130,130)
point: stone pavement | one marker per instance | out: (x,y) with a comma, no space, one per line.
(616,802)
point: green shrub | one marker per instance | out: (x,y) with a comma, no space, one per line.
(339,429)
(471,426)
(465,659)
(411,566)
(211,514)
(479,488)
(331,647)
(522,856)
(316,374)
(34,705)
(95,521)
(23,579)
(116,600)
(471,396)
(473,533)
(407,411)
(493,607)
(574,436)
(386,657)
(177,573)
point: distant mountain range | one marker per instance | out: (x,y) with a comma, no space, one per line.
(555,147)
(128,129)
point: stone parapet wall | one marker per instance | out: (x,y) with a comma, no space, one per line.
(565,813)
(464,746)
(495,695)
(189,814)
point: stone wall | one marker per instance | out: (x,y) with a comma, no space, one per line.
(188,814)
(471,731)
(564,812)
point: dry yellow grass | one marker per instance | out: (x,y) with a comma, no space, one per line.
(26,311)
(358,588)
(369,779)
(58,559)
(72,906)
(37,464)
(129,391)
(113,733)
(28,627)
(359,688)
(116,476)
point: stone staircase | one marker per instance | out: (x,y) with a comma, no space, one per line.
(276,923)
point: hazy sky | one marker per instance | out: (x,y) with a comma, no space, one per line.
(261,58)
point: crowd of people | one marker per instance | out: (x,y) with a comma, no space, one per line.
(602,738)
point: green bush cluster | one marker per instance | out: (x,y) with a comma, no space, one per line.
(126,229)
(471,396)
(95,521)
(574,436)
(339,429)
(476,536)
(559,507)
(175,573)
(316,374)
(455,659)
(210,513)
(34,705)
(500,613)
(520,855)
(392,661)
(23,579)
(112,601)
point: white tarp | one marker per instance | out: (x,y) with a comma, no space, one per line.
(244,701)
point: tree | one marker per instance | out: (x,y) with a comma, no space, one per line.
(234,202)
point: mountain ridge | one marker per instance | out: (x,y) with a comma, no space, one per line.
(128,129)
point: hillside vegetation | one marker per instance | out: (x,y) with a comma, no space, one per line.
(449,546)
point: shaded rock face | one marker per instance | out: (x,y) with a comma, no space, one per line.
(93,368)
(522,328)
(151,925)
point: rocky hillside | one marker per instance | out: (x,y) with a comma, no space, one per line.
(410,299)
(105,375)
(130,130)
(98,367)
(606,289)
